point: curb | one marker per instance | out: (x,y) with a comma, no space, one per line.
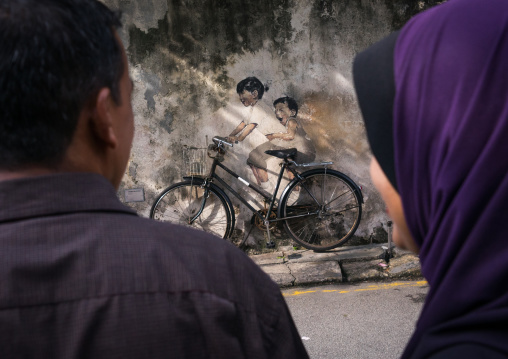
(288,267)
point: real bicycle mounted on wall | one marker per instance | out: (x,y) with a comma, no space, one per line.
(320,208)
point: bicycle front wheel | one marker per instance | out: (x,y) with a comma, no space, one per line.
(324,209)
(181,203)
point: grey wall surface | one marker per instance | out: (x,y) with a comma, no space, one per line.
(187,56)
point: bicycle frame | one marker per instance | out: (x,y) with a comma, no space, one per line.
(284,165)
(320,208)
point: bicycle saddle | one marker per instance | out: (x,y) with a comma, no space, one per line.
(290,152)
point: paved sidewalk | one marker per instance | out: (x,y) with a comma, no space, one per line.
(289,267)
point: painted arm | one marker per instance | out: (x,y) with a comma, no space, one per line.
(244,131)
(286,136)
(232,136)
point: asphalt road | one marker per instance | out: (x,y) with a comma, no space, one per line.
(367,320)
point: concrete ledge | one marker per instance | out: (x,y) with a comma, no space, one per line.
(269,258)
(316,272)
(361,253)
(397,252)
(289,267)
(405,266)
(342,255)
(280,274)
(360,271)
(304,256)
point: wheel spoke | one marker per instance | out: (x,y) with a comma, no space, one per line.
(348,191)
(333,223)
(182,202)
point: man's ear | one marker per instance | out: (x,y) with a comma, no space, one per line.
(255,93)
(293,113)
(102,118)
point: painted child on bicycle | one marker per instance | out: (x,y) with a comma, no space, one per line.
(294,136)
(320,208)
(255,122)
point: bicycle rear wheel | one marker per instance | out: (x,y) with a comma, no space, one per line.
(182,201)
(327,208)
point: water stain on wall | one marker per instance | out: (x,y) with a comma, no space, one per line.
(188,55)
(188,43)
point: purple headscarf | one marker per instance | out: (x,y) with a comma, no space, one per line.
(450,146)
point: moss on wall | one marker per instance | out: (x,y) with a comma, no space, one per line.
(188,55)
(203,35)
(403,10)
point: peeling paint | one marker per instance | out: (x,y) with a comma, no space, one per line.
(187,56)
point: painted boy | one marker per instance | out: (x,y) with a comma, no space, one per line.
(292,136)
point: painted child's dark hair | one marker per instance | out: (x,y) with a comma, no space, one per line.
(289,101)
(251,84)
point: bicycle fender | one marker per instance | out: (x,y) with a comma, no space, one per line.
(355,186)
(197,180)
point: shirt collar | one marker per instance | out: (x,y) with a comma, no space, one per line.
(57,194)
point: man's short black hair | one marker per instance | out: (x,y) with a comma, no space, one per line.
(55,55)
(251,84)
(289,101)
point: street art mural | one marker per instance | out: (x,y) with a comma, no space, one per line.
(189,57)
(266,132)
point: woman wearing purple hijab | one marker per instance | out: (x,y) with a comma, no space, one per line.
(434,98)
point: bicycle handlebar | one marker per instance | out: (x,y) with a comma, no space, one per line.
(222,140)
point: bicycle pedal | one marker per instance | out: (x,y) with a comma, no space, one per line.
(270,244)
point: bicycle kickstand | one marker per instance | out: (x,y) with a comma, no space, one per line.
(269,243)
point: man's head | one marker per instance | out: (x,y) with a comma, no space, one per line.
(57,56)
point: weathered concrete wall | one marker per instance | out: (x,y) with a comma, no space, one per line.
(188,55)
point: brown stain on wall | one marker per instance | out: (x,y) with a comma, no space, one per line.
(187,64)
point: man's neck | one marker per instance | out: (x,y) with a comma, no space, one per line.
(24,173)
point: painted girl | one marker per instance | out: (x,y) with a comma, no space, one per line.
(250,92)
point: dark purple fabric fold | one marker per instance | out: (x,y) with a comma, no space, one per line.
(451,160)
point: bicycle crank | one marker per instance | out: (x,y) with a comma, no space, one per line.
(260,222)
